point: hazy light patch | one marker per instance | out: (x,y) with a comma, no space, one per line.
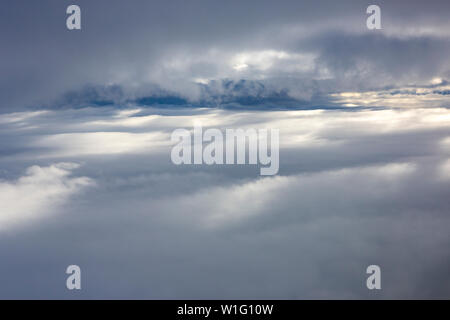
(349,94)
(408,97)
(201,80)
(155,122)
(221,207)
(319,125)
(396,120)
(127,113)
(394,170)
(404,32)
(240,66)
(266,59)
(97,143)
(227,203)
(124,121)
(260,59)
(21,117)
(445,143)
(333,127)
(443,171)
(442,117)
(437,81)
(307,141)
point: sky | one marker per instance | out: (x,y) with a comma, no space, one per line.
(86,178)
(304,49)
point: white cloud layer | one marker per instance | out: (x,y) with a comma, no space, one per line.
(355,187)
(38,193)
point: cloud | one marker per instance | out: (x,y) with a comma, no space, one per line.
(355,187)
(222,206)
(38,193)
(301,48)
(99,143)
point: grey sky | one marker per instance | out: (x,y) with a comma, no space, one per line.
(145,45)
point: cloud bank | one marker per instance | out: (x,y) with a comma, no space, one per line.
(352,190)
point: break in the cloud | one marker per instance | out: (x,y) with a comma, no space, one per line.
(437,94)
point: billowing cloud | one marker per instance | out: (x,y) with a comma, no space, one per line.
(38,193)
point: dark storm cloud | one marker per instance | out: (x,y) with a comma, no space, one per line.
(145,43)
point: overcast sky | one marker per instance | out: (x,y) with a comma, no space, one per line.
(85,172)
